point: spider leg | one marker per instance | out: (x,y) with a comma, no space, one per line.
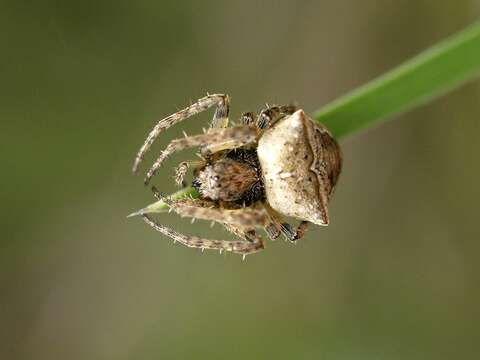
(220,119)
(270,115)
(236,246)
(294,234)
(248,235)
(225,138)
(248,118)
(273,230)
(182,168)
(233,138)
(277,226)
(243,218)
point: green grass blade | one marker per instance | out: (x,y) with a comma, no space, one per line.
(419,80)
(160,206)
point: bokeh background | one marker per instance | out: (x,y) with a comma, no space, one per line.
(395,276)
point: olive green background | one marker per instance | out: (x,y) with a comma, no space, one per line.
(395,276)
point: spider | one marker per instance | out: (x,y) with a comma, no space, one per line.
(279,163)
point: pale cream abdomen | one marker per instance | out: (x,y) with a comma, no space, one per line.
(286,157)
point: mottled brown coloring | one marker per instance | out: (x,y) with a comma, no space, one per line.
(279,163)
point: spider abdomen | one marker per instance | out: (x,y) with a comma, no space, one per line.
(297,167)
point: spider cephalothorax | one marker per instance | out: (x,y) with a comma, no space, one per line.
(278,163)
(235,177)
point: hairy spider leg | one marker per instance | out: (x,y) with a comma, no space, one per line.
(277,226)
(248,118)
(294,234)
(273,227)
(214,140)
(243,218)
(220,120)
(238,230)
(272,114)
(243,247)
(182,168)
(249,235)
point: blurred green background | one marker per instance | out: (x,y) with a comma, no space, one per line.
(395,276)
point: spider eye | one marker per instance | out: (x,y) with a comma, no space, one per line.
(216,178)
(196,183)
